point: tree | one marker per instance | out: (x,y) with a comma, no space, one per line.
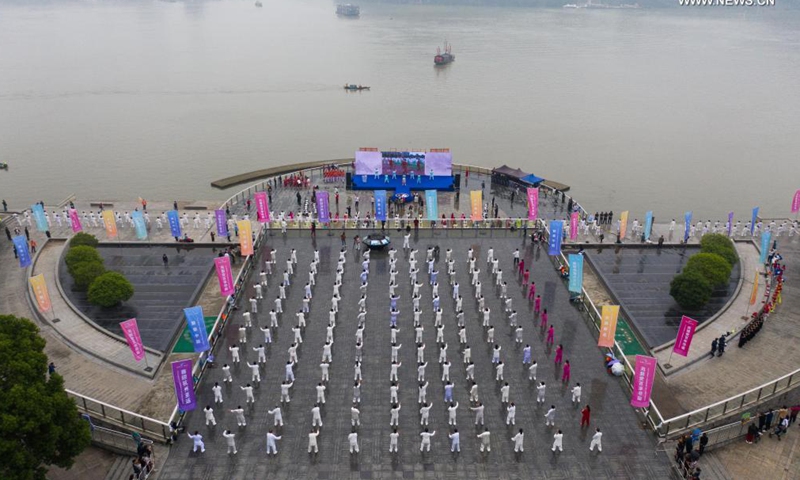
(713,267)
(84,274)
(690,289)
(720,245)
(81,254)
(39,423)
(82,238)
(109,289)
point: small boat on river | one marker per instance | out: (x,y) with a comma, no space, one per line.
(355,87)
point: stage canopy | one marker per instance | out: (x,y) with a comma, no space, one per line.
(515,175)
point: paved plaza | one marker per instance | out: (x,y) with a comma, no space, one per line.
(628,450)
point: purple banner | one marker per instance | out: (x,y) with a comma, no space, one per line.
(224,274)
(75,221)
(730,223)
(643,375)
(323,212)
(796,202)
(262,207)
(222,223)
(184,387)
(685,333)
(533,203)
(573,226)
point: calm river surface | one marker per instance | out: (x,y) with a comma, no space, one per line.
(668,110)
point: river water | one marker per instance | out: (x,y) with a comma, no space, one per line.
(669,110)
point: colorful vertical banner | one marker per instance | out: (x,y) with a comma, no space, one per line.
(109,223)
(39,287)
(643,375)
(245,236)
(222,222)
(131,331)
(75,221)
(648,224)
(796,202)
(556,232)
(533,203)
(323,207)
(431,204)
(730,223)
(685,334)
(24,255)
(623,224)
(687,226)
(37,211)
(765,238)
(184,385)
(174,223)
(754,293)
(575,273)
(608,325)
(262,207)
(753,221)
(573,226)
(224,275)
(139,224)
(380,205)
(476,205)
(197,328)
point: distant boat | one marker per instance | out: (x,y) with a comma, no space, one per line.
(3,166)
(259,4)
(348,10)
(570,5)
(443,58)
(351,86)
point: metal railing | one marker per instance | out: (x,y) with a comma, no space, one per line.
(120,417)
(119,441)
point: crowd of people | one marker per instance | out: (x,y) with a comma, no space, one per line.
(688,451)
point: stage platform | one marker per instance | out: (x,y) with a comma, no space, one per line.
(369,182)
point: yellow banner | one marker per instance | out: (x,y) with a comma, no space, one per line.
(110,223)
(608,325)
(245,237)
(754,295)
(40,292)
(623,224)
(476,202)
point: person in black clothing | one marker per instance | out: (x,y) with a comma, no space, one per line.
(713,347)
(703,442)
(165,259)
(721,345)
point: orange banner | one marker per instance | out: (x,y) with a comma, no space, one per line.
(245,236)
(623,224)
(40,292)
(110,223)
(476,202)
(608,325)
(754,295)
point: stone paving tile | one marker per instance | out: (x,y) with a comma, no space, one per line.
(628,450)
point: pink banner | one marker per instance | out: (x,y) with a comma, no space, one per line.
(533,203)
(131,331)
(224,274)
(262,207)
(643,375)
(75,221)
(685,333)
(573,226)
(796,202)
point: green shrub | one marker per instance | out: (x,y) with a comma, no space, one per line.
(713,267)
(690,289)
(109,289)
(720,245)
(82,238)
(81,254)
(84,274)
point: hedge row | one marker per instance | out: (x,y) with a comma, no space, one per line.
(704,271)
(84,263)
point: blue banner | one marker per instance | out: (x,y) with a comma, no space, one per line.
(197,328)
(431,204)
(380,204)
(556,232)
(648,224)
(687,226)
(323,207)
(753,222)
(24,255)
(765,238)
(575,273)
(38,216)
(174,223)
(139,224)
